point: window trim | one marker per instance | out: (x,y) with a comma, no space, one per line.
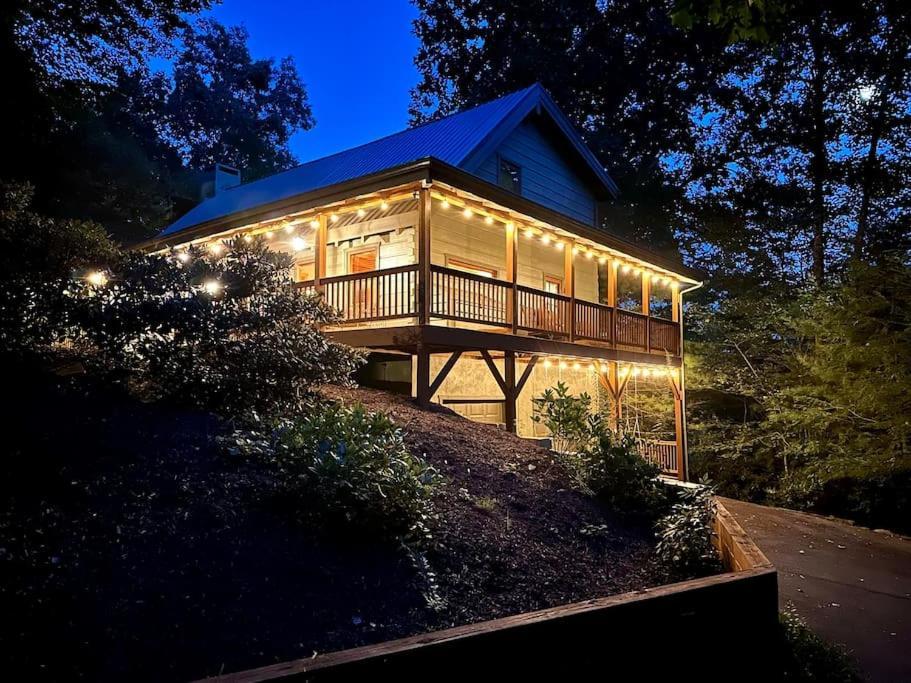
(554,280)
(457,263)
(365,249)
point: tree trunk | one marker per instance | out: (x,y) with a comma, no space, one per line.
(819,161)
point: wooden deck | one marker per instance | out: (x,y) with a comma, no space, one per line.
(493,305)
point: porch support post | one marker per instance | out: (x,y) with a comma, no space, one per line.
(320,241)
(509,380)
(512,260)
(679,387)
(424,278)
(532,361)
(569,285)
(444,372)
(612,268)
(646,305)
(422,376)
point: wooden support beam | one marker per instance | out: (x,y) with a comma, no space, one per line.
(422,379)
(444,372)
(646,307)
(569,286)
(532,361)
(512,269)
(485,354)
(509,390)
(423,248)
(320,242)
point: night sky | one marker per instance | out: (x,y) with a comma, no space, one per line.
(355,58)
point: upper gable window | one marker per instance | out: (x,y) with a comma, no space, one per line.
(509,176)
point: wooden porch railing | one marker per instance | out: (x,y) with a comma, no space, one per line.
(540,311)
(468,297)
(662,453)
(375,295)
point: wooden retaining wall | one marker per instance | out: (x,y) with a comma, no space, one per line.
(713,628)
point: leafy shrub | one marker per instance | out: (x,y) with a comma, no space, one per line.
(229,333)
(565,416)
(685,535)
(611,466)
(352,467)
(806,657)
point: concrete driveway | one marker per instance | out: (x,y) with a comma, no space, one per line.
(851,585)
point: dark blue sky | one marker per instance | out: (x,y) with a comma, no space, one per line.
(355,56)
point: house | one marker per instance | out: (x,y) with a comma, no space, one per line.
(466,255)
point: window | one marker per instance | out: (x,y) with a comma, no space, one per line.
(304,271)
(468,267)
(362,261)
(553,284)
(509,176)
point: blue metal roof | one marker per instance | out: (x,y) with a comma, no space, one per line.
(455,139)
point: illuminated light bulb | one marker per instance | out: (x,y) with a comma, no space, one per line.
(592,367)
(626,268)
(545,239)
(636,372)
(602,259)
(576,366)
(216,248)
(655,278)
(589,255)
(269,234)
(212,287)
(361,213)
(183,256)
(289,228)
(674,284)
(314,224)
(298,244)
(603,367)
(529,233)
(384,205)
(466,212)
(560,246)
(334,218)
(576,250)
(248,237)
(488,220)
(445,203)
(563,365)
(97,278)
(547,363)
(646,372)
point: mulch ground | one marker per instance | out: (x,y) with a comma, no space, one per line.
(132,548)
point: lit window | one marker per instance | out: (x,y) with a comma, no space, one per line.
(510,176)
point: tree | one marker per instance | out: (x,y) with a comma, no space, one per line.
(623,73)
(224,106)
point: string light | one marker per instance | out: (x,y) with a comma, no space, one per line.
(384,205)
(602,260)
(559,246)
(183,256)
(361,213)
(445,203)
(248,237)
(289,228)
(466,212)
(314,224)
(547,363)
(298,244)
(488,220)
(563,365)
(97,278)
(216,248)
(626,268)
(212,287)
(529,233)
(334,218)
(589,255)
(269,234)
(576,366)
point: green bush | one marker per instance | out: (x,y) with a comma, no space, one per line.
(685,535)
(806,657)
(231,333)
(611,466)
(565,416)
(352,468)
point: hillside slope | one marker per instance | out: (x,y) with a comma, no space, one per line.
(132,547)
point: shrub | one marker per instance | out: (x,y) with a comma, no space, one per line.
(565,416)
(231,334)
(685,535)
(352,467)
(806,657)
(613,469)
